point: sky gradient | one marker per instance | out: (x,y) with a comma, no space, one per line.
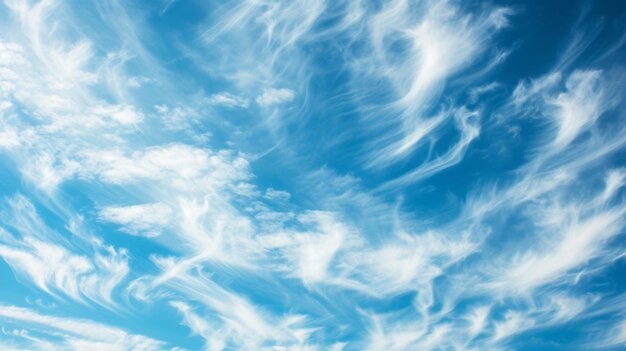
(312,175)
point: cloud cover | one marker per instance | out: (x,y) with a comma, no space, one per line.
(311,175)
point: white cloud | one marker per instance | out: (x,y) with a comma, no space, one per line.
(478,320)
(616,336)
(48,266)
(9,139)
(147,219)
(123,114)
(577,242)
(279,195)
(69,117)
(478,91)
(615,180)
(416,49)
(40,257)
(214,336)
(511,324)
(227,100)
(468,124)
(275,96)
(77,334)
(390,332)
(578,107)
(235,321)
(137,81)
(414,263)
(314,252)
(182,166)
(179,117)
(527,90)
(60,272)
(48,172)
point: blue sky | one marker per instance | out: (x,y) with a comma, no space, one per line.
(312,175)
